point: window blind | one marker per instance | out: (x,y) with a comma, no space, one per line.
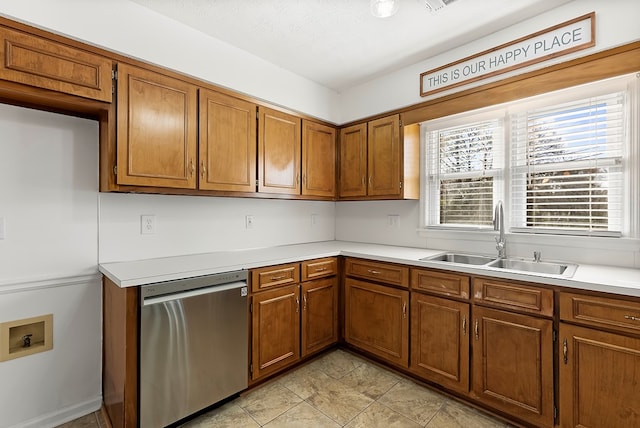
(567,172)
(465,164)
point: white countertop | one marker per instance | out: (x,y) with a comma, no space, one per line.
(624,281)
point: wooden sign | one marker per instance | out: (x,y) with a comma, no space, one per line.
(561,39)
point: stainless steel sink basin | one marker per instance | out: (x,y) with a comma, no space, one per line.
(468,259)
(548,268)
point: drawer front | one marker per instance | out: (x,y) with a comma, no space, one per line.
(319,268)
(377,271)
(513,295)
(446,284)
(35,61)
(598,311)
(274,276)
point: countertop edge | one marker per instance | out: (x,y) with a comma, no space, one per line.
(607,279)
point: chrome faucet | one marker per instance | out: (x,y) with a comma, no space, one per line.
(498,224)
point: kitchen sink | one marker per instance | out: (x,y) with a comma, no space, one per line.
(468,259)
(522,265)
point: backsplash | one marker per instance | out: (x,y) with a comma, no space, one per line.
(195,224)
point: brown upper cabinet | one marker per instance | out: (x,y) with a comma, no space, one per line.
(278,152)
(318,160)
(35,61)
(379,160)
(295,156)
(227,145)
(156,129)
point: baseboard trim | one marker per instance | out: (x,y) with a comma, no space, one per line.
(62,416)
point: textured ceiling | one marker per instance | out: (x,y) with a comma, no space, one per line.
(338,43)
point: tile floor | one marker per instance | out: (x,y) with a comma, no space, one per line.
(338,389)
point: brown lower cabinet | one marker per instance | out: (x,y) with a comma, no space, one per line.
(293,321)
(440,341)
(275,335)
(376,320)
(512,364)
(599,361)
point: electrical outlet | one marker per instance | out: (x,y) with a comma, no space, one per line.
(147,224)
(393,221)
(249,221)
(314,220)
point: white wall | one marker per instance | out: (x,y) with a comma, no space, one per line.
(616,24)
(135,31)
(196,224)
(48,198)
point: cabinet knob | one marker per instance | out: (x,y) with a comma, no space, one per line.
(203,169)
(565,350)
(476,330)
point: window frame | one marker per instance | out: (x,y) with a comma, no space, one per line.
(631,163)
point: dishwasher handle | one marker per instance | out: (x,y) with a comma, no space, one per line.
(240,285)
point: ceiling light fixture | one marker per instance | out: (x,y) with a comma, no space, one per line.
(384,8)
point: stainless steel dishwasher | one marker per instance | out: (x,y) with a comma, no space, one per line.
(193,345)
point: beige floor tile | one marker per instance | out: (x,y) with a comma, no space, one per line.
(413,401)
(305,381)
(456,415)
(86,421)
(370,380)
(338,401)
(228,416)
(268,402)
(337,363)
(379,416)
(302,415)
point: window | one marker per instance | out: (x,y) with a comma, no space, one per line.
(567,173)
(465,173)
(565,156)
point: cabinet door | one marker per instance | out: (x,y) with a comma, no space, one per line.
(376,320)
(319,314)
(384,157)
(440,341)
(318,160)
(228,145)
(39,62)
(353,161)
(278,152)
(157,129)
(513,364)
(275,330)
(599,378)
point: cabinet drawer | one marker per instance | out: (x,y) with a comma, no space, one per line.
(383,272)
(622,315)
(274,276)
(445,284)
(319,268)
(39,62)
(513,295)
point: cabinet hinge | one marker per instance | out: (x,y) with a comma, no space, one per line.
(555,414)
(251,307)
(554,335)
(257,113)
(115,170)
(114,74)
(401,185)
(400,123)
(251,369)
(257,183)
